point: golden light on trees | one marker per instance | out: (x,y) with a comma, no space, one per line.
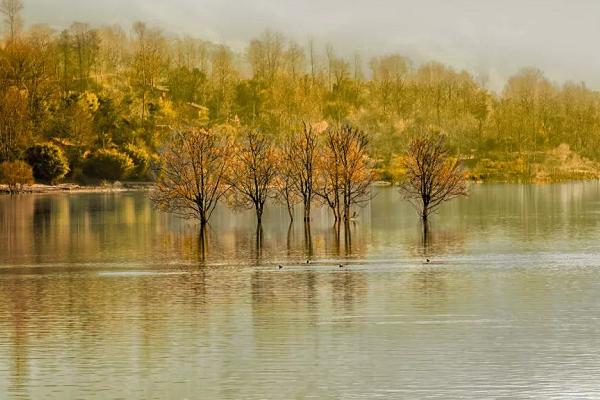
(299,156)
(14,126)
(145,82)
(432,176)
(148,62)
(285,186)
(16,175)
(346,173)
(192,180)
(252,172)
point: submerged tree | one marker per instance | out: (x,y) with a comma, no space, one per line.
(432,176)
(285,186)
(253,171)
(191,179)
(345,170)
(299,156)
(328,182)
(355,169)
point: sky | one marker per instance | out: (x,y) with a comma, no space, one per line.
(491,39)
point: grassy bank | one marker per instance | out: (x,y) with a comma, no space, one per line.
(556,165)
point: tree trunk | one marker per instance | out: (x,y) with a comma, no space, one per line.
(336,211)
(203,219)
(202,243)
(259,241)
(426,234)
(346,209)
(289,209)
(347,238)
(306,210)
(347,202)
(308,248)
(425,211)
(259,214)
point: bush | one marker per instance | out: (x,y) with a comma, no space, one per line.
(16,174)
(48,162)
(108,164)
(141,160)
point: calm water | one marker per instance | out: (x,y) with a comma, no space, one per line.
(102,297)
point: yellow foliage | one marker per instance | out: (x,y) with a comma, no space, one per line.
(89,101)
(397,168)
(166,108)
(16,175)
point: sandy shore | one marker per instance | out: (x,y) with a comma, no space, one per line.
(74,187)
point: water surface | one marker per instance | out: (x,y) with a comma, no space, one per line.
(102,297)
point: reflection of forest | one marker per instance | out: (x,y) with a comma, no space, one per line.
(79,304)
(113,228)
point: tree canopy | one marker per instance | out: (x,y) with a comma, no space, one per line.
(86,87)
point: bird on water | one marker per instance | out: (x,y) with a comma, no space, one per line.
(280,266)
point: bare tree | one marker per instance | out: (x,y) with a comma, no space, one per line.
(253,172)
(285,186)
(265,55)
(355,167)
(346,173)
(11,9)
(147,62)
(192,178)
(328,181)
(432,176)
(85,42)
(300,153)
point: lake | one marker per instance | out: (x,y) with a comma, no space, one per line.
(103,297)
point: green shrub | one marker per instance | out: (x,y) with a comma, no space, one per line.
(48,162)
(108,164)
(16,174)
(141,160)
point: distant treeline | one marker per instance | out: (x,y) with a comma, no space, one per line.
(89,89)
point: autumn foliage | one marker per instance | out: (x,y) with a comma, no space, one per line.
(193,175)
(252,172)
(432,177)
(16,175)
(202,166)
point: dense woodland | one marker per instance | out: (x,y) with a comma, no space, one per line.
(100,92)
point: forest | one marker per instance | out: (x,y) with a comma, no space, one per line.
(98,103)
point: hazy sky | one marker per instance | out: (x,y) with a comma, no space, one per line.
(491,38)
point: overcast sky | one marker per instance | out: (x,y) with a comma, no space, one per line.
(489,38)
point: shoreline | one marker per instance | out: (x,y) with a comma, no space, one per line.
(39,188)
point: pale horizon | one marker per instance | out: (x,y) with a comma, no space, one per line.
(490,40)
